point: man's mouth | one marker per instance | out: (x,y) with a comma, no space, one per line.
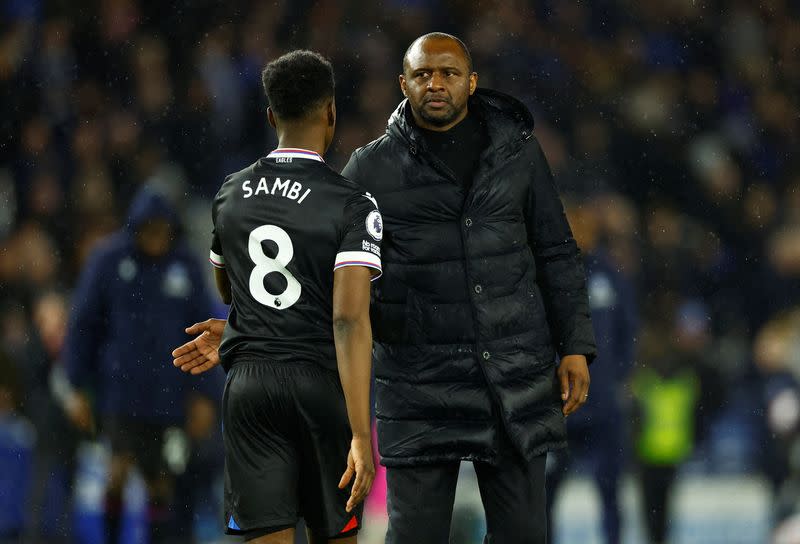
(436,102)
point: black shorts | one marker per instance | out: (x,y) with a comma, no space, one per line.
(286,442)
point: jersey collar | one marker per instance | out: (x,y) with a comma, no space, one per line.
(295,153)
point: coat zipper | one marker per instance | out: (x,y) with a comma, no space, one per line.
(442,169)
(492,393)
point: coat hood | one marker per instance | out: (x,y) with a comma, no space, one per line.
(150,204)
(507,119)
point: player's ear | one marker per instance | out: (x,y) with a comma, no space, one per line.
(402,80)
(473,82)
(331,113)
(271,118)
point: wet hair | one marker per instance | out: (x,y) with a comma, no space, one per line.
(439,36)
(297,83)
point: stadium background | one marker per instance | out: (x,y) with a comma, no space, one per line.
(671,125)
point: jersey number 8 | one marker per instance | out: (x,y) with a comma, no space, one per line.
(267,265)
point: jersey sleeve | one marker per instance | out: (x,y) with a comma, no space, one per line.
(363,232)
(215,256)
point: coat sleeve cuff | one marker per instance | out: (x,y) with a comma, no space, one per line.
(589,352)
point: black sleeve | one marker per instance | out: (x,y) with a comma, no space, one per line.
(362,232)
(560,271)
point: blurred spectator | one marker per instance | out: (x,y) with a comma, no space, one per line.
(137,289)
(775,351)
(49,507)
(17,439)
(676,391)
(596,436)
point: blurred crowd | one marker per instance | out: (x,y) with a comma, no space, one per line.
(671,128)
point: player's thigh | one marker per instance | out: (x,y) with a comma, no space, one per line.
(281,537)
(261,469)
(323,440)
(314,538)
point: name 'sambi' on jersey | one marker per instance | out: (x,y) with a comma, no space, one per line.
(285,188)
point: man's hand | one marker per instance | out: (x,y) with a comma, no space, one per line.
(202,353)
(79,412)
(360,463)
(201,418)
(573,373)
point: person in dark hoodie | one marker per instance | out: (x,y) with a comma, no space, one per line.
(481,321)
(135,290)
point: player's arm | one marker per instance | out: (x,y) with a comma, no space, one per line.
(217,257)
(202,353)
(352,335)
(357,263)
(223,284)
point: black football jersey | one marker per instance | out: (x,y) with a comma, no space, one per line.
(281,227)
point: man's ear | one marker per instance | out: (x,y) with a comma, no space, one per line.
(402,80)
(473,82)
(271,118)
(331,113)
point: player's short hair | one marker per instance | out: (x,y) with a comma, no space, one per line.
(297,82)
(439,36)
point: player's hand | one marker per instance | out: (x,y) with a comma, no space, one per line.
(202,353)
(79,412)
(573,373)
(360,464)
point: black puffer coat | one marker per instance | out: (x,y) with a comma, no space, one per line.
(480,290)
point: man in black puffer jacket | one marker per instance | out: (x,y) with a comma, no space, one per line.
(483,287)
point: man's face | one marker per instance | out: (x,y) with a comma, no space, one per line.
(437,82)
(154,238)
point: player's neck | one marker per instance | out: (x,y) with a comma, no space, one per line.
(310,140)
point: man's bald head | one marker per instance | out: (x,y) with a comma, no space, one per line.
(438,80)
(437,36)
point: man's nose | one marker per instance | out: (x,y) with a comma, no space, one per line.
(436,82)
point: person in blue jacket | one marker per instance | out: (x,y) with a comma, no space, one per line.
(135,293)
(17,447)
(597,435)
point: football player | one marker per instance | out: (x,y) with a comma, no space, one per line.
(294,247)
